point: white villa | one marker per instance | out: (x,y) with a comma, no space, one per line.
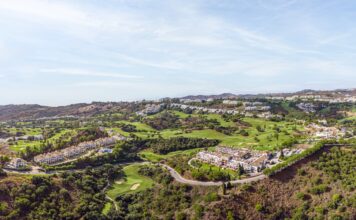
(251,161)
(16,163)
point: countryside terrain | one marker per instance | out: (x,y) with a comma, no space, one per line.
(130,179)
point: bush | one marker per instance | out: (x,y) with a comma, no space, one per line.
(246,187)
(302,172)
(211,197)
(320,210)
(244,133)
(319,189)
(301,196)
(259,207)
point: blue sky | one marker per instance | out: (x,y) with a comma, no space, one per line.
(61,52)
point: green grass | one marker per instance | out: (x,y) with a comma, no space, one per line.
(26,131)
(180,114)
(132,178)
(22,144)
(265,140)
(106,208)
(120,131)
(208,167)
(220,120)
(139,125)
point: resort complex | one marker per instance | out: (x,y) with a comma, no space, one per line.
(73,151)
(250,161)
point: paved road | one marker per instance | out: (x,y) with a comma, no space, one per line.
(173,173)
(183,180)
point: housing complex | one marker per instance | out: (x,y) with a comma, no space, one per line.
(323,132)
(16,163)
(261,111)
(251,161)
(231,158)
(333,97)
(73,151)
(150,109)
(306,107)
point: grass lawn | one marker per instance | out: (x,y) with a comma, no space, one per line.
(22,144)
(25,130)
(134,182)
(120,131)
(220,120)
(265,140)
(208,167)
(106,208)
(139,125)
(180,114)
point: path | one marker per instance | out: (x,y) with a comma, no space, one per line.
(173,173)
(107,197)
(113,201)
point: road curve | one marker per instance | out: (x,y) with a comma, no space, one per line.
(183,180)
(172,172)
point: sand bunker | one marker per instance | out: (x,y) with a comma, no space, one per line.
(119,182)
(135,186)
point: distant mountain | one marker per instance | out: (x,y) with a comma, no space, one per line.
(261,95)
(205,97)
(26,112)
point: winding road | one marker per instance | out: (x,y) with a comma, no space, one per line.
(172,172)
(183,180)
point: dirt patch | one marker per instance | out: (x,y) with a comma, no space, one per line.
(135,186)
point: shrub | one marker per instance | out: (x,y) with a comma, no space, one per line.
(211,197)
(301,196)
(259,207)
(319,189)
(302,172)
(320,210)
(244,133)
(246,187)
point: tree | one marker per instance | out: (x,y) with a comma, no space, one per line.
(240,170)
(230,216)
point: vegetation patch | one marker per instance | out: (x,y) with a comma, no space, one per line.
(131,182)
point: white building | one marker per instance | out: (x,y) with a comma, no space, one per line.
(16,163)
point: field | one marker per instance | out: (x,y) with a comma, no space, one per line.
(107,208)
(273,134)
(21,145)
(138,125)
(134,182)
(268,139)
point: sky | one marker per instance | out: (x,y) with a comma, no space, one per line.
(70,51)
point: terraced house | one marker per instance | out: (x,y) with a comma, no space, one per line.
(74,151)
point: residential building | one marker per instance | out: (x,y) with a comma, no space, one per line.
(16,163)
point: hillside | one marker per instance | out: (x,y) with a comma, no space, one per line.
(28,112)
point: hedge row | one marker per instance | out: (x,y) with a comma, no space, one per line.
(296,157)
